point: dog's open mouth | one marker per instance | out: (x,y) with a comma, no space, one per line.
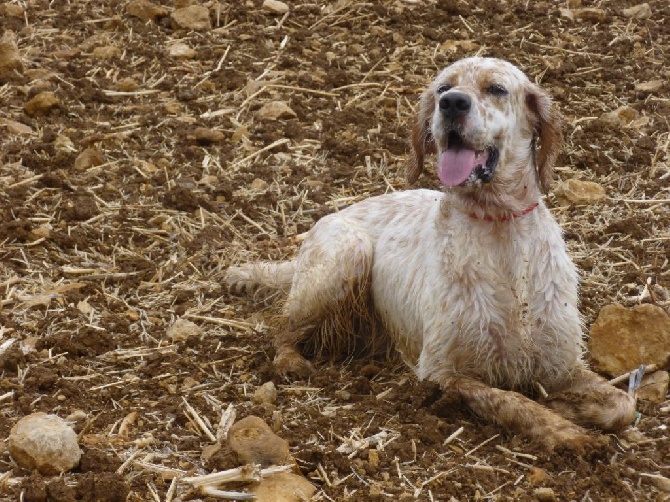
(460,162)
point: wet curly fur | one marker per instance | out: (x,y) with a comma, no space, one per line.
(472,286)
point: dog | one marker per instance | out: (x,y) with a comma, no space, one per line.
(472,284)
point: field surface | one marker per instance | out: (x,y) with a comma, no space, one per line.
(139,160)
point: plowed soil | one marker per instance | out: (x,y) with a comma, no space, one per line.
(126,197)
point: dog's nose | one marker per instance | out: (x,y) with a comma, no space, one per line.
(455,104)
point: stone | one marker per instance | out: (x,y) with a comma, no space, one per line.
(580,192)
(42,231)
(10,59)
(266,394)
(275,6)
(276,110)
(259,185)
(127,84)
(253,442)
(106,52)
(11,10)
(91,157)
(41,104)
(620,117)
(44,442)
(183,329)
(181,50)
(283,487)
(205,137)
(654,387)
(537,476)
(544,494)
(145,10)
(16,128)
(621,339)
(591,14)
(193,17)
(641,11)
(651,86)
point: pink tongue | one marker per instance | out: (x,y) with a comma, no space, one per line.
(455,165)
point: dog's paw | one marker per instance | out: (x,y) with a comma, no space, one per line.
(573,438)
(290,363)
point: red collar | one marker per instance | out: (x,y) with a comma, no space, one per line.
(487,217)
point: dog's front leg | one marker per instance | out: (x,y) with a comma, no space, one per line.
(589,399)
(520,414)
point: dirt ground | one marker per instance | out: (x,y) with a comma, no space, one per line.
(185,171)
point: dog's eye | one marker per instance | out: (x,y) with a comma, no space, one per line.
(496,90)
(443,88)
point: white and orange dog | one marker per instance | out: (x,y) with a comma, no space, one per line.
(472,285)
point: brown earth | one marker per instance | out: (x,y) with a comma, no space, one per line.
(102,252)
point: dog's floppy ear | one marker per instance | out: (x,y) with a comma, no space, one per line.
(421,139)
(549,132)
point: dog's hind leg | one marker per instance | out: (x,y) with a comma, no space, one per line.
(331,281)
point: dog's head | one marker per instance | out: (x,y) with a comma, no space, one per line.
(484,119)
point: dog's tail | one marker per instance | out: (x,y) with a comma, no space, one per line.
(262,281)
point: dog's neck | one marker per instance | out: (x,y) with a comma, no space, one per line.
(501,199)
(504,217)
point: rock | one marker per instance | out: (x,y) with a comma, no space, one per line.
(183,329)
(64,144)
(621,117)
(275,6)
(44,442)
(283,487)
(266,394)
(205,137)
(127,85)
(41,232)
(651,86)
(580,192)
(544,494)
(10,59)
(259,185)
(91,157)
(373,459)
(591,14)
(253,442)
(654,387)
(106,52)
(276,110)
(538,476)
(641,11)
(193,17)
(41,104)
(181,50)
(145,10)
(622,339)
(11,10)
(16,128)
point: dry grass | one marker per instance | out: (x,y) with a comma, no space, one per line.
(98,261)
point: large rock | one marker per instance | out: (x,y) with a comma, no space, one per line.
(654,387)
(580,192)
(283,487)
(193,17)
(44,442)
(254,443)
(622,339)
(146,10)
